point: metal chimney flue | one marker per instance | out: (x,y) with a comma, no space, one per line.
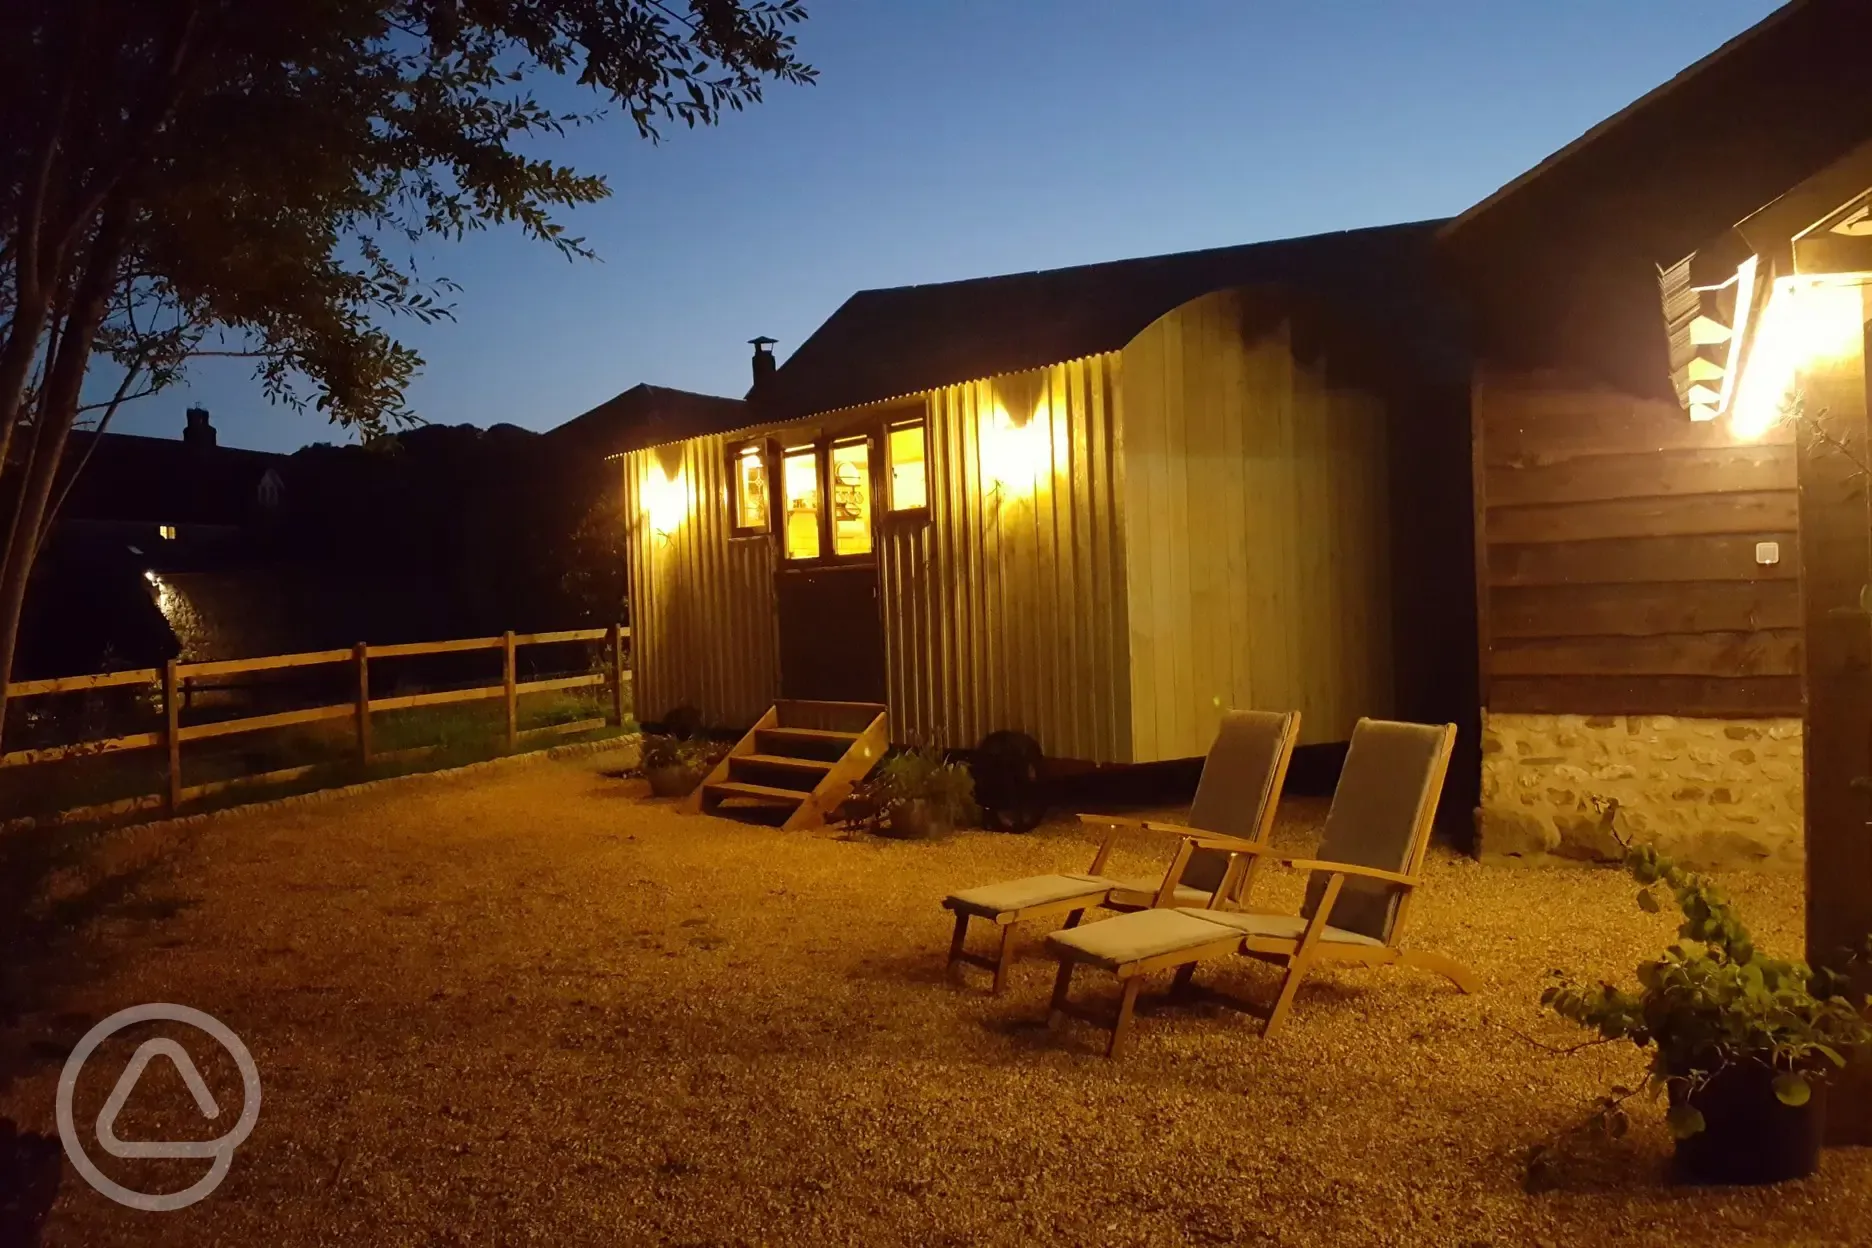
(764,362)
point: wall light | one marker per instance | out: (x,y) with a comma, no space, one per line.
(665,499)
(1014,456)
(1806,322)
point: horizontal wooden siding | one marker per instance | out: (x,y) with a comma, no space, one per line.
(1617,544)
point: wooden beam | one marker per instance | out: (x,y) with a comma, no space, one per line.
(1743,697)
(82,749)
(260,723)
(172,731)
(1648,474)
(560,682)
(403,648)
(74,684)
(1683,654)
(1718,557)
(510,689)
(225,667)
(1836,566)
(1643,610)
(1755,511)
(567,634)
(443,697)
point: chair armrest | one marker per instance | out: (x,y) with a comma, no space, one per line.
(1352,868)
(1215,840)
(1116,821)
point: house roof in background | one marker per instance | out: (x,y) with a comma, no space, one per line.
(129,477)
(883,344)
(647,415)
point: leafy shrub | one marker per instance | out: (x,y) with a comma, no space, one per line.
(923,773)
(695,753)
(1713,1001)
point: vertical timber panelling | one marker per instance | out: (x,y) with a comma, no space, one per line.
(1258,557)
(1619,553)
(702,613)
(1006,608)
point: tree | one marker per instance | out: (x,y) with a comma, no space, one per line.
(255,177)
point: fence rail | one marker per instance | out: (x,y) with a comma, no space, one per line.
(174,677)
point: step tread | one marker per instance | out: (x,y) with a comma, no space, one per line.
(782,760)
(741,788)
(811,734)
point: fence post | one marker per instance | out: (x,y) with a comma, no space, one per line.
(362,652)
(617,675)
(508,680)
(172,715)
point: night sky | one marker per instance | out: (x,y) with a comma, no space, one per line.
(958,138)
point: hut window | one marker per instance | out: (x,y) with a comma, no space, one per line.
(751,496)
(799,477)
(851,498)
(909,482)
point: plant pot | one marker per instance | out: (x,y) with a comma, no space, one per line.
(1748,1135)
(915,820)
(676,781)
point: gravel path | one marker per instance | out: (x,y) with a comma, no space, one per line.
(530,1007)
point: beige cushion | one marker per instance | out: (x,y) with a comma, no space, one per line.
(1141,890)
(1134,937)
(1013,896)
(1236,785)
(1283,926)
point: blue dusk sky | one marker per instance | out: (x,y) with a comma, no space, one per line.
(957,138)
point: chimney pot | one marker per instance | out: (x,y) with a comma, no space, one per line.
(198,432)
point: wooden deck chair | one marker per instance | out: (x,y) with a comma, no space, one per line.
(1235,798)
(1357,897)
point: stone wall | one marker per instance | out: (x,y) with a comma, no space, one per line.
(1714,793)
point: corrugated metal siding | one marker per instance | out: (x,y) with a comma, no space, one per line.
(702,614)
(1007,608)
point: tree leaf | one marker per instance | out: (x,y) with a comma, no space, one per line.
(1791,1089)
(1684,1121)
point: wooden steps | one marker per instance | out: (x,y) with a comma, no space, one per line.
(797,764)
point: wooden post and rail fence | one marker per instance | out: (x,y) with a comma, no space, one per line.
(174,678)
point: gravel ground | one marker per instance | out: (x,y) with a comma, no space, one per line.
(532,1007)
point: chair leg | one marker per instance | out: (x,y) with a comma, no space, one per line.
(1072,920)
(1006,959)
(1121,1028)
(1184,975)
(1290,985)
(1062,983)
(955,941)
(1458,974)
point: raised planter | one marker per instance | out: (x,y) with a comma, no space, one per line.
(1749,1135)
(676,781)
(915,820)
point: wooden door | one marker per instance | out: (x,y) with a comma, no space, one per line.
(831,637)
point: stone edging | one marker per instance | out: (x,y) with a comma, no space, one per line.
(575,750)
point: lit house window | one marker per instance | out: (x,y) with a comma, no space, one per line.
(909,482)
(799,480)
(851,498)
(166,532)
(750,479)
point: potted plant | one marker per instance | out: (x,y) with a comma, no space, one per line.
(674,766)
(1741,1043)
(919,794)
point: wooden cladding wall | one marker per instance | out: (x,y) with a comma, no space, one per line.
(1004,606)
(1257,532)
(1617,556)
(701,599)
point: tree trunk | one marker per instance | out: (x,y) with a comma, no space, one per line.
(1835,569)
(58,410)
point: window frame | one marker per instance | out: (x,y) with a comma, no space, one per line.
(892,512)
(763,450)
(829,531)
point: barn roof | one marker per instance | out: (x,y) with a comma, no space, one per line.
(1561,264)
(882,344)
(645,415)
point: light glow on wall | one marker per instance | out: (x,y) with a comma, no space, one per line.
(1806,322)
(1014,456)
(665,499)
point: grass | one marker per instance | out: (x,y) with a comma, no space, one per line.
(531,1006)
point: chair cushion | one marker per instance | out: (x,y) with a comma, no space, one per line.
(1237,779)
(1382,790)
(1140,891)
(1134,937)
(1012,896)
(1282,926)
